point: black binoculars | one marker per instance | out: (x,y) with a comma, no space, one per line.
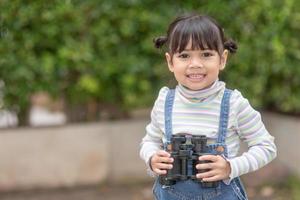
(185,150)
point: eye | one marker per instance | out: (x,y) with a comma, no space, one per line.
(183,55)
(207,54)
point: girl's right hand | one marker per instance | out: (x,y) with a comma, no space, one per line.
(160,162)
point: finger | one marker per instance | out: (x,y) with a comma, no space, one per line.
(205,166)
(212,158)
(206,174)
(163,166)
(157,159)
(163,153)
(212,178)
(159,171)
(165,159)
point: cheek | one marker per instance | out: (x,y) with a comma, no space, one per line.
(213,72)
(179,71)
(179,74)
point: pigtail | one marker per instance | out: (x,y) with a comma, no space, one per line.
(231,46)
(159,41)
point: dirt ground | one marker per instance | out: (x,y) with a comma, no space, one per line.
(117,192)
(95,192)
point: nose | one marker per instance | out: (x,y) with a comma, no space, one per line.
(195,62)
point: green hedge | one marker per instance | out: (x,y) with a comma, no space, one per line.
(102,51)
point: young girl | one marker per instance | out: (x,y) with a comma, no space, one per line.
(201,105)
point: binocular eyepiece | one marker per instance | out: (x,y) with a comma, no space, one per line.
(186,150)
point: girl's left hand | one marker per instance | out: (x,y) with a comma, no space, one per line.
(218,168)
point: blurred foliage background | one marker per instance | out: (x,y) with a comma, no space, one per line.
(100,52)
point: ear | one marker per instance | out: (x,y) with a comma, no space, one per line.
(169,61)
(223,59)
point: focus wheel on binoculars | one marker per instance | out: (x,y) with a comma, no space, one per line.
(220,149)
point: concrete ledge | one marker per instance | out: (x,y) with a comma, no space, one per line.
(70,155)
(286,130)
(50,157)
(102,152)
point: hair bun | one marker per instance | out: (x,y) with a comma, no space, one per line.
(159,41)
(231,46)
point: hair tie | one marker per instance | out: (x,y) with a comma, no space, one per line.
(159,41)
(231,46)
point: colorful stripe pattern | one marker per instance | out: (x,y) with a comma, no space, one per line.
(197,113)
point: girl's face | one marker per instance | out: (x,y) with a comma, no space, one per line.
(196,69)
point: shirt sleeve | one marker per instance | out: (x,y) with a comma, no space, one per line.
(152,141)
(250,128)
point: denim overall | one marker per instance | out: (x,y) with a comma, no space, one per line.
(189,189)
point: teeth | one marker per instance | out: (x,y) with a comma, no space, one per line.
(196,75)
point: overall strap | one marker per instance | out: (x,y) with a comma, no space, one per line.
(168,116)
(224,115)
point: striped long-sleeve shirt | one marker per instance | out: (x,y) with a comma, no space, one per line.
(198,112)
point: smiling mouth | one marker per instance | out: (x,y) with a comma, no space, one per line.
(196,77)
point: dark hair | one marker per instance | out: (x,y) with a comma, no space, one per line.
(203,30)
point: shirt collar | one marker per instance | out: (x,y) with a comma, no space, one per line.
(201,95)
